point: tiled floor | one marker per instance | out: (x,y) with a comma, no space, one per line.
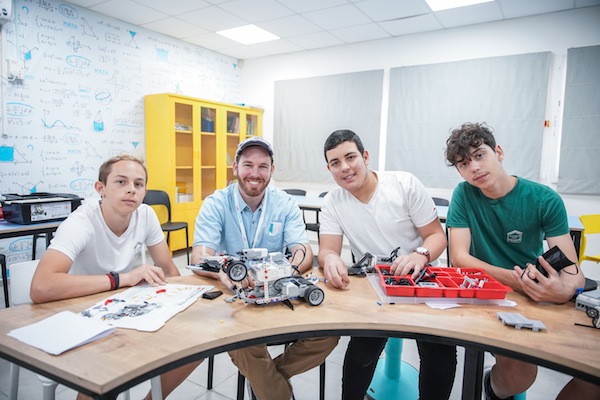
(306,386)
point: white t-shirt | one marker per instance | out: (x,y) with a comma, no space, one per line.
(399,206)
(85,238)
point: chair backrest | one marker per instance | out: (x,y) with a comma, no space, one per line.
(295,192)
(158,197)
(20,275)
(440,202)
(591,225)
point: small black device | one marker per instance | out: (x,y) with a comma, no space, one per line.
(212,295)
(556,258)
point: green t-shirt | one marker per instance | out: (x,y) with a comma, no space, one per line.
(508,231)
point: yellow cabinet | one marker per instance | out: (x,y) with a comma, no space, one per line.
(190,149)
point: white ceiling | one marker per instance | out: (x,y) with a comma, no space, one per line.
(308,24)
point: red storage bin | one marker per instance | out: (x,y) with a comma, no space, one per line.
(451,283)
(424,290)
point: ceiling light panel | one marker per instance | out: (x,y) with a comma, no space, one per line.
(438,5)
(248,34)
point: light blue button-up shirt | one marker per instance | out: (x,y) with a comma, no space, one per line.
(217,225)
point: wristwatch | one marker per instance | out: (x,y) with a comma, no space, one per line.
(423,251)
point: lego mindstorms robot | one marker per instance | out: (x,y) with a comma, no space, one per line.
(275,278)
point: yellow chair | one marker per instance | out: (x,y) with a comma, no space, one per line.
(591,225)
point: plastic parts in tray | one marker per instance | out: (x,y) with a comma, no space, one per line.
(443,282)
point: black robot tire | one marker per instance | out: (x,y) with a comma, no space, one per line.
(237,271)
(592,312)
(314,295)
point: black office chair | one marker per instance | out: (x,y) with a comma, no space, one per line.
(441,202)
(36,236)
(444,202)
(161,198)
(295,192)
(313,226)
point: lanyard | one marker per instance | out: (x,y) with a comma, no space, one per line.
(241,221)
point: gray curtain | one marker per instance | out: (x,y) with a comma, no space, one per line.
(579,171)
(427,101)
(308,110)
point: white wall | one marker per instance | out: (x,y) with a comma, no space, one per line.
(555,32)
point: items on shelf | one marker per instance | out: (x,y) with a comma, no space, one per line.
(208,119)
(182,127)
(233,123)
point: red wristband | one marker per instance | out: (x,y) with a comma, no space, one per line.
(113,283)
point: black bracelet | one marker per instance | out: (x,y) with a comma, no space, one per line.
(116,278)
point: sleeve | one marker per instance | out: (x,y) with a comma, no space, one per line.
(208,229)
(422,207)
(457,212)
(294,229)
(154,233)
(329,224)
(72,236)
(555,221)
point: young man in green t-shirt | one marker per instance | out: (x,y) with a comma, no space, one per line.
(498,222)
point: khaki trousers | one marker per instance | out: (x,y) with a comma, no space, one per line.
(269,378)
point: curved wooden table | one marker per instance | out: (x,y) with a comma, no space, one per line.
(107,367)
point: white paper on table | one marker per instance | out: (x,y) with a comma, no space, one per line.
(144,307)
(61,332)
(442,306)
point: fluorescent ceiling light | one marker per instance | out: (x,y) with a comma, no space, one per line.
(248,34)
(438,5)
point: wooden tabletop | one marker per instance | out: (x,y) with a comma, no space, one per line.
(128,357)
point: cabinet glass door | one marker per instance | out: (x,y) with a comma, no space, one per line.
(184,153)
(208,151)
(207,119)
(233,122)
(251,124)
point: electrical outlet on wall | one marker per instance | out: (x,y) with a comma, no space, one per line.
(15,69)
(5,11)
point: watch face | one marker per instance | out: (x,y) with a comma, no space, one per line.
(422,250)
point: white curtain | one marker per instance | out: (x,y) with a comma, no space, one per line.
(579,171)
(308,110)
(427,101)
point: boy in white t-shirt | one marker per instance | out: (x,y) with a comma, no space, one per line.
(378,212)
(96,248)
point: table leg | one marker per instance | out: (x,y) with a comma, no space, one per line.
(472,374)
(156,388)
(4,279)
(576,237)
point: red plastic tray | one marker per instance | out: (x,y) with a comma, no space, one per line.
(448,282)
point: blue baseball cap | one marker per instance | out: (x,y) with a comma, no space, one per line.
(254,141)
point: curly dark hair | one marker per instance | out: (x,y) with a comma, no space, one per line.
(462,140)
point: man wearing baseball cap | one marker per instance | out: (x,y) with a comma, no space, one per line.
(250,214)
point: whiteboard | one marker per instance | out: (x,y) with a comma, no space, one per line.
(81,99)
